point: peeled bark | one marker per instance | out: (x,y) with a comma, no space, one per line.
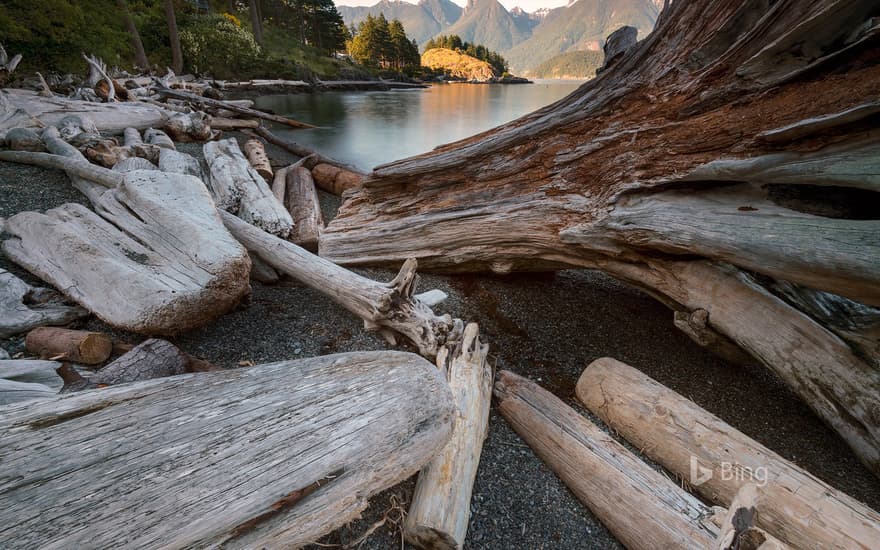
(798,508)
(739,137)
(256,155)
(643,508)
(273,456)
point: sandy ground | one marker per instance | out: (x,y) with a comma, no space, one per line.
(546,327)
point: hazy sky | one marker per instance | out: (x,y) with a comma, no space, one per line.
(528,5)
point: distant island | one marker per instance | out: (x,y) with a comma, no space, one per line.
(454,59)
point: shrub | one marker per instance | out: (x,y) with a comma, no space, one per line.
(215,45)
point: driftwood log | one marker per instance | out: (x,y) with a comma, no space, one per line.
(238,188)
(441,505)
(153,358)
(738,137)
(32,371)
(390,308)
(314,158)
(128,263)
(79,346)
(642,507)
(301,200)
(272,456)
(229,106)
(23,307)
(718,460)
(256,155)
(738,528)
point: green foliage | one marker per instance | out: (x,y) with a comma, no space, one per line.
(478,51)
(581,64)
(215,45)
(380,44)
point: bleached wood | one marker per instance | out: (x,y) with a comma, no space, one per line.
(739,225)
(222,123)
(695,324)
(842,387)
(302,203)
(441,505)
(640,506)
(239,189)
(256,155)
(176,162)
(33,371)
(130,265)
(158,138)
(131,164)
(314,157)
(279,184)
(108,117)
(24,139)
(132,136)
(265,457)
(387,307)
(12,391)
(797,507)
(23,307)
(263,272)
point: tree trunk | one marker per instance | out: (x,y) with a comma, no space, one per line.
(738,136)
(79,346)
(153,358)
(302,203)
(643,508)
(717,460)
(174,38)
(441,505)
(140,56)
(256,21)
(391,308)
(273,456)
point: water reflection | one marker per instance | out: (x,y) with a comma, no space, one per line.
(372,128)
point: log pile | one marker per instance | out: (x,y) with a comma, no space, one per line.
(696,166)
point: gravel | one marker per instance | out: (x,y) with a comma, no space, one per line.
(547,327)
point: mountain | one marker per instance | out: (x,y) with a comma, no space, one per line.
(457,64)
(581,25)
(487,22)
(421,21)
(578,64)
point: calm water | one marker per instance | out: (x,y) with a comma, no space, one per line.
(371,128)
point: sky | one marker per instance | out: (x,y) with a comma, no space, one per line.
(528,5)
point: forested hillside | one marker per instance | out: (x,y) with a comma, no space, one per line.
(224,38)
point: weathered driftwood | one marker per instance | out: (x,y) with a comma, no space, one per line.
(129,265)
(79,346)
(12,391)
(279,185)
(256,155)
(222,123)
(153,358)
(24,139)
(131,164)
(23,307)
(798,508)
(7,65)
(314,157)
(695,324)
(31,371)
(679,120)
(176,162)
(640,506)
(158,138)
(208,102)
(239,189)
(263,272)
(195,126)
(390,308)
(302,203)
(441,505)
(738,530)
(108,117)
(265,457)
(334,179)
